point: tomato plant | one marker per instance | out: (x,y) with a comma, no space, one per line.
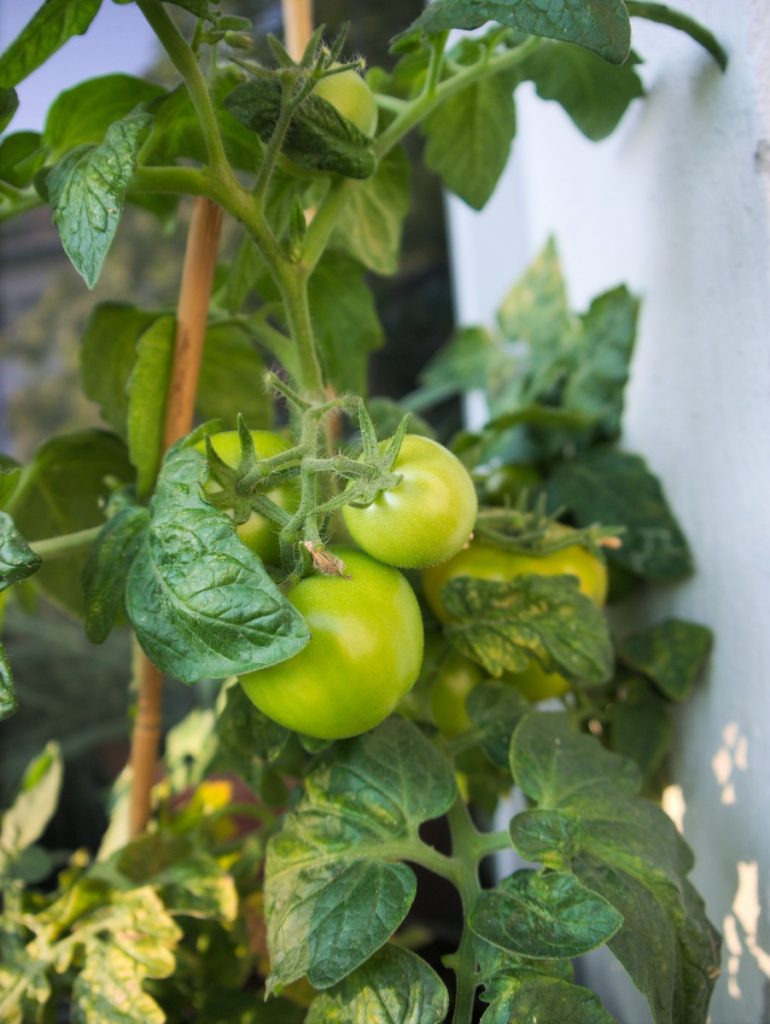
(364,653)
(426,517)
(261,867)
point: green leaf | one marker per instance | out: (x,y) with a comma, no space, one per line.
(147,389)
(200,8)
(626,850)
(537,998)
(21,157)
(26,820)
(318,137)
(678,19)
(608,486)
(247,741)
(176,130)
(551,915)
(463,363)
(83,114)
(345,320)
(9,104)
(125,942)
(63,492)
(17,559)
(671,654)
(599,25)
(639,725)
(393,987)
(8,702)
(495,709)
(370,222)
(469,137)
(107,356)
(595,387)
(49,29)
(593,93)
(334,892)
(231,378)
(201,602)
(9,480)
(503,625)
(106,571)
(87,189)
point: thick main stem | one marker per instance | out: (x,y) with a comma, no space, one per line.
(192,315)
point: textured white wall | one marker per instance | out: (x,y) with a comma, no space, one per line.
(677,204)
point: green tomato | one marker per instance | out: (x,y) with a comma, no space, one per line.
(535,683)
(454,680)
(364,654)
(349,94)
(257,533)
(427,517)
(483,561)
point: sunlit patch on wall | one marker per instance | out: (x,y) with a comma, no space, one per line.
(732,756)
(740,927)
(672,801)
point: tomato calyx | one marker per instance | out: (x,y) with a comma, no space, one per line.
(523,531)
(375,466)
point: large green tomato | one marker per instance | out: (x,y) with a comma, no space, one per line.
(427,517)
(486,562)
(364,654)
(349,94)
(455,679)
(257,533)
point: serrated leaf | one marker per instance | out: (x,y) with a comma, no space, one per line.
(87,189)
(370,222)
(593,93)
(345,320)
(147,389)
(247,741)
(83,114)
(9,104)
(107,568)
(21,157)
(503,625)
(496,709)
(318,137)
(107,356)
(231,377)
(125,942)
(463,363)
(201,602)
(599,25)
(609,486)
(469,137)
(625,849)
(394,987)
(551,915)
(665,15)
(539,998)
(331,898)
(64,489)
(25,821)
(17,559)
(639,725)
(49,29)
(671,654)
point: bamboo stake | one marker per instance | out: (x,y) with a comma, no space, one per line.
(297,25)
(192,315)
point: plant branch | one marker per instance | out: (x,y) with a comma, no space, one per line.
(465,853)
(57,547)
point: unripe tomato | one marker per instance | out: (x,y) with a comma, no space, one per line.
(454,680)
(349,94)
(257,533)
(535,683)
(427,517)
(486,562)
(365,652)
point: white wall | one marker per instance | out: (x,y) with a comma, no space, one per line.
(677,204)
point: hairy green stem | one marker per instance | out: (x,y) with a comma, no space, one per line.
(465,841)
(66,544)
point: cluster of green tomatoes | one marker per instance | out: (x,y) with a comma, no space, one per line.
(366,624)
